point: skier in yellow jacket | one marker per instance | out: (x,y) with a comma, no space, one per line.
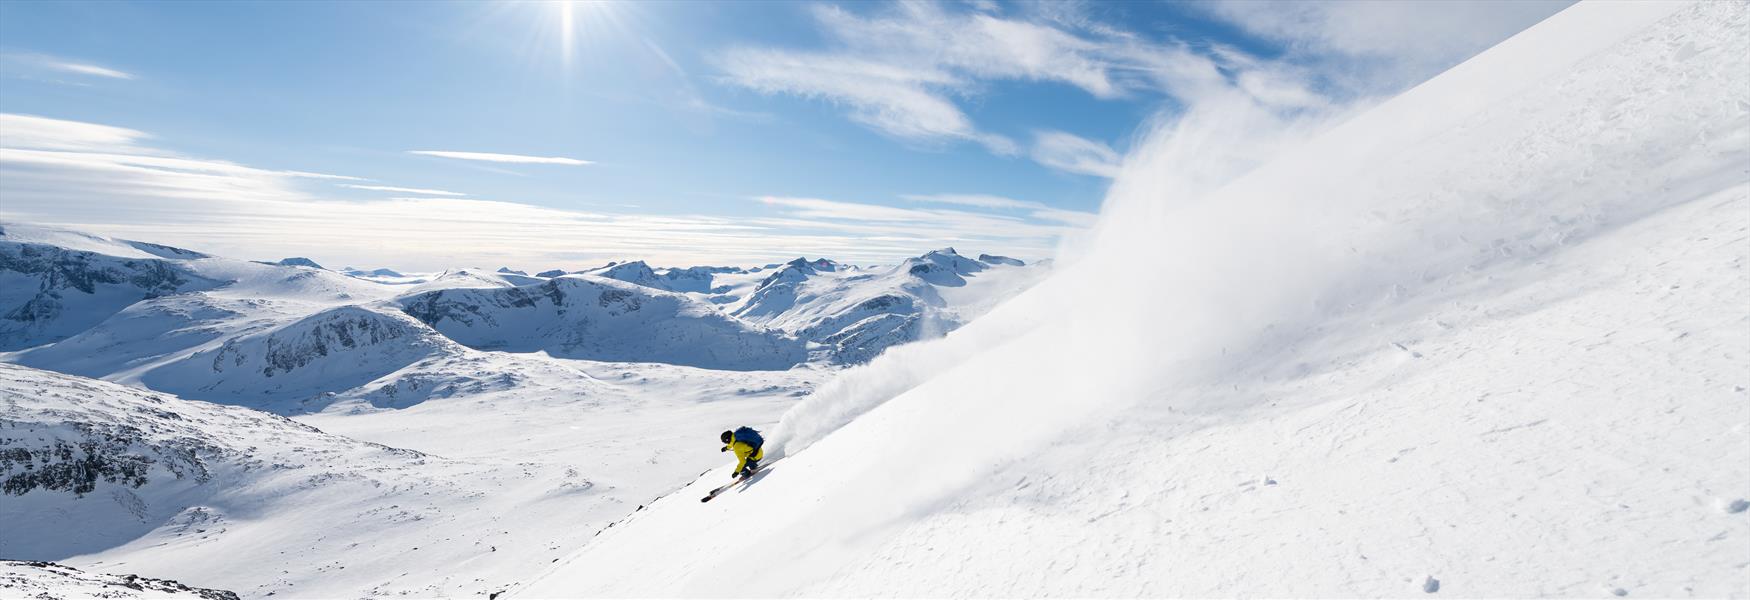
(749,448)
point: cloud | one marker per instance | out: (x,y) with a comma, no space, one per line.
(899,101)
(1070,217)
(938,224)
(107,180)
(1075,154)
(404,190)
(309,175)
(503,158)
(43,133)
(1409,40)
(44,61)
(902,70)
(978,200)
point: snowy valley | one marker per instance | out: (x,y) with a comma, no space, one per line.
(481,421)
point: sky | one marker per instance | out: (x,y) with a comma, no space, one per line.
(541,135)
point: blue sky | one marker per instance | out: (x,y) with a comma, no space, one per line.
(683,133)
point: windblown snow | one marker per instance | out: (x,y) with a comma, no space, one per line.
(1487,338)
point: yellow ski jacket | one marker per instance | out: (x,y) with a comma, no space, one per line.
(744,452)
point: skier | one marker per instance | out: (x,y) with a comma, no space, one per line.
(748,447)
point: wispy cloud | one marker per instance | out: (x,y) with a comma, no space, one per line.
(903,69)
(1070,217)
(108,180)
(43,133)
(872,219)
(503,158)
(978,200)
(44,61)
(1075,154)
(309,175)
(404,190)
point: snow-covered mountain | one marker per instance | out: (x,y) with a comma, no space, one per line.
(857,314)
(602,319)
(49,292)
(1486,339)
(331,351)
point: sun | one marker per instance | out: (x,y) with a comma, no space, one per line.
(590,19)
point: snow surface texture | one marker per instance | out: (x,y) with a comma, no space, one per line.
(1484,339)
(114,479)
(49,581)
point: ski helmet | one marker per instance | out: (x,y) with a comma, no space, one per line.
(727,436)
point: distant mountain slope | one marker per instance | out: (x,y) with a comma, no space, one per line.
(331,351)
(687,280)
(858,314)
(48,293)
(602,319)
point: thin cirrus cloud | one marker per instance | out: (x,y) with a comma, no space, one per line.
(503,158)
(52,63)
(903,70)
(403,190)
(110,180)
(1075,154)
(976,200)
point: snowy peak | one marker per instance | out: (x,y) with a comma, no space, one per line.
(992,259)
(510,271)
(296,261)
(635,272)
(942,267)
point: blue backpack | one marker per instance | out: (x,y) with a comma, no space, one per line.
(747,435)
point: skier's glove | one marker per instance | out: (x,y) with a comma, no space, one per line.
(723,449)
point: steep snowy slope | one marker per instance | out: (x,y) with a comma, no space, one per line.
(602,319)
(1485,339)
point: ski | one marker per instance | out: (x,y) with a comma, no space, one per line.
(738,481)
(725,487)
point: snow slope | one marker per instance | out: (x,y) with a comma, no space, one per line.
(114,479)
(1485,339)
(28,579)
